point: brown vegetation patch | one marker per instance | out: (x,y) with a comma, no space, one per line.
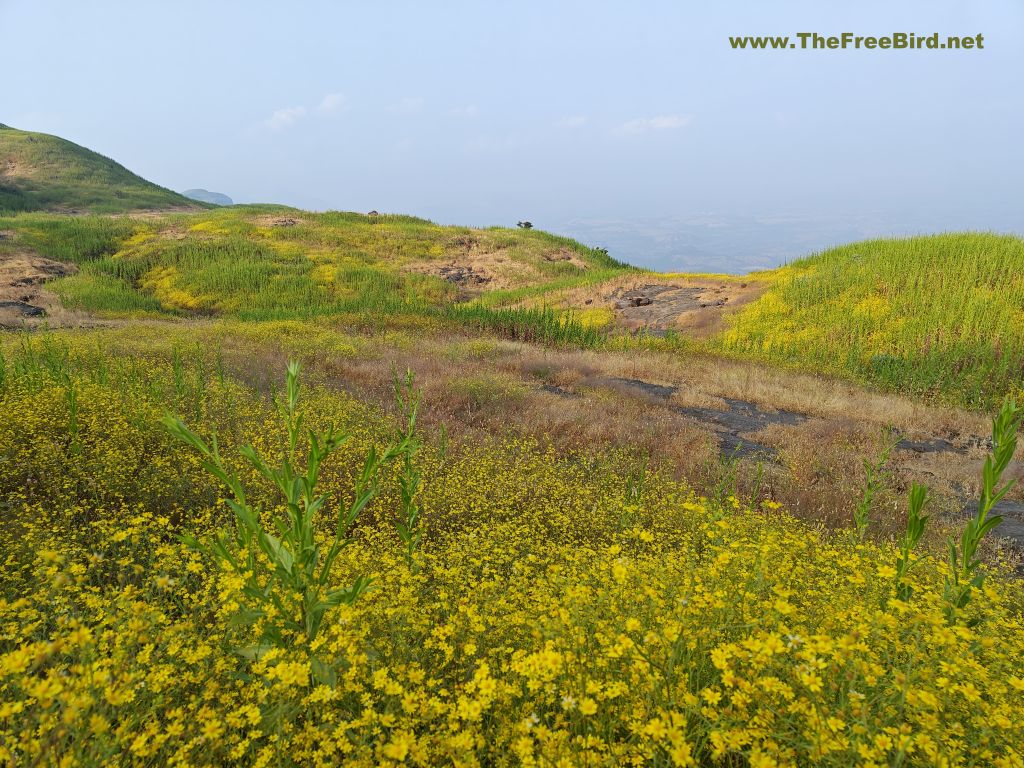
(23,299)
(801,439)
(12,167)
(279,221)
(695,306)
(475,270)
(566,255)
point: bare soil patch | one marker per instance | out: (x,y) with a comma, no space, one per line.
(25,302)
(22,295)
(565,255)
(279,221)
(475,270)
(695,306)
(150,214)
(11,167)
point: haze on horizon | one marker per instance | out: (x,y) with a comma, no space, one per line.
(643,131)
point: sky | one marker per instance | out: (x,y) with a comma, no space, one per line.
(631,125)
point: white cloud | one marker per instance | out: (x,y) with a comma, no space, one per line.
(659,123)
(573,122)
(409,104)
(283,118)
(287,117)
(331,102)
(470,110)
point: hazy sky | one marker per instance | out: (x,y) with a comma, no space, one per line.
(570,114)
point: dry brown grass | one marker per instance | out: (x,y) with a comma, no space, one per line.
(477,388)
(497,269)
(679,308)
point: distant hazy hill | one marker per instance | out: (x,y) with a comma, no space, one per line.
(206,196)
(43,172)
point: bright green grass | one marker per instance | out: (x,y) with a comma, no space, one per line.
(275,263)
(50,173)
(939,316)
(77,239)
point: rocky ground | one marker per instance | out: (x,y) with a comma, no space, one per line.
(23,297)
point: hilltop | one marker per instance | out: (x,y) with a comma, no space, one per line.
(40,172)
(273,262)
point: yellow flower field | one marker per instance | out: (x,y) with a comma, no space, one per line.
(551,616)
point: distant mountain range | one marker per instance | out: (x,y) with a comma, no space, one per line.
(205,196)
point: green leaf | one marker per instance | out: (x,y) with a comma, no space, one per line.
(277,552)
(323,672)
(255,652)
(246,617)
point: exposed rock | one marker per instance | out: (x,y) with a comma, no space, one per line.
(1012,527)
(654,390)
(562,254)
(22,294)
(930,445)
(23,308)
(646,296)
(727,425)
(559,392)
(743,416)
(463,275)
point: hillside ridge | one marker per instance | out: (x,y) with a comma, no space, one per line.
(43,172)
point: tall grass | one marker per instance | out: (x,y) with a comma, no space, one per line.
(77,239)
(527,324)
(939,316)
(270,263)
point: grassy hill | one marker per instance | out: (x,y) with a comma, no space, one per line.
(940,316)
(43,172)
(271,262)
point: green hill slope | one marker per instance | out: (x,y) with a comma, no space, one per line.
(272,262)
(938,316)
(43,172)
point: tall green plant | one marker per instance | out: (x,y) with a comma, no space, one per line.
(409,479)
(287,572)
(964,576)
(915,530)
(874,478)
